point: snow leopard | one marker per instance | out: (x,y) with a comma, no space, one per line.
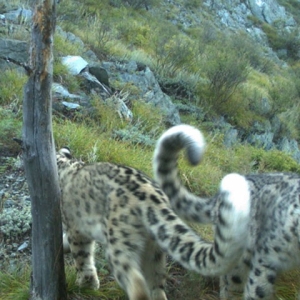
(272,242)
(129,214)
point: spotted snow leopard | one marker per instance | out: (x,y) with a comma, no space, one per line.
(126,211)
(273,237)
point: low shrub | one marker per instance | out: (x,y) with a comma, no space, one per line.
(173,53)
(274,160)
(135,33)
(10,127)
(11,86)
(225,72)
(147,117)
(62,75)
(63,46)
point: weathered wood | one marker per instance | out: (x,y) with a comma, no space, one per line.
(48,277)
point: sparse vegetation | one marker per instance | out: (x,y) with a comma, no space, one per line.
(10,127)
(11,87)
(218,73)
(14,285)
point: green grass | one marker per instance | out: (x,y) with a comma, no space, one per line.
(221,60)
(287,286)
(123,32)
(10,127)
(15,285)
(170,52)
(109,289)
(94,142)
(93,145)
(11,87)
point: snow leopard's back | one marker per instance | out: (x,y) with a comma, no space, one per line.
(275,217)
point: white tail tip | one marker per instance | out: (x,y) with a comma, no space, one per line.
(239,192)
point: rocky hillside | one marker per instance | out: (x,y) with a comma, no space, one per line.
(264,33)
(133,68)
(126,60)
(235,15)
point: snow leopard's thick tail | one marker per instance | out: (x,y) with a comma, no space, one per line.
(185,204)
(188,248)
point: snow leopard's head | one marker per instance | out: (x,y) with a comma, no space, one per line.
(66,152)
(65,161)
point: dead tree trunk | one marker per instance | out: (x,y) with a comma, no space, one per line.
(48,277)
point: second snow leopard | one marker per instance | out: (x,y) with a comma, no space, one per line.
(124,210)
(272,242)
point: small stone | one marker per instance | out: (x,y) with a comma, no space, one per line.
(23,246)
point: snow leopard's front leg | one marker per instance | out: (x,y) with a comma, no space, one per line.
(82,250)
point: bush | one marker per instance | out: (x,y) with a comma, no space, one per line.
(135,33)
(296,76)
(10,127)
(225,72)
(246,49)
(283,92)
(173,53)
(293,45)
(275,39)
(133,3)
(192,4)
(147,116)
(64,47)
(98,35)
(134,135)
(146,127)
(273,161)
(105,116)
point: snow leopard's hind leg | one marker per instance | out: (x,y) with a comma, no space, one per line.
(124,258)
(261,279)
(153,267)
(82,250)
(134,256)
(233,283)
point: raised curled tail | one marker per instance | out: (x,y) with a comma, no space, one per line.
(175,139)
(189,249)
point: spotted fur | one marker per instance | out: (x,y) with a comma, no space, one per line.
(126,211)
(272,243)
